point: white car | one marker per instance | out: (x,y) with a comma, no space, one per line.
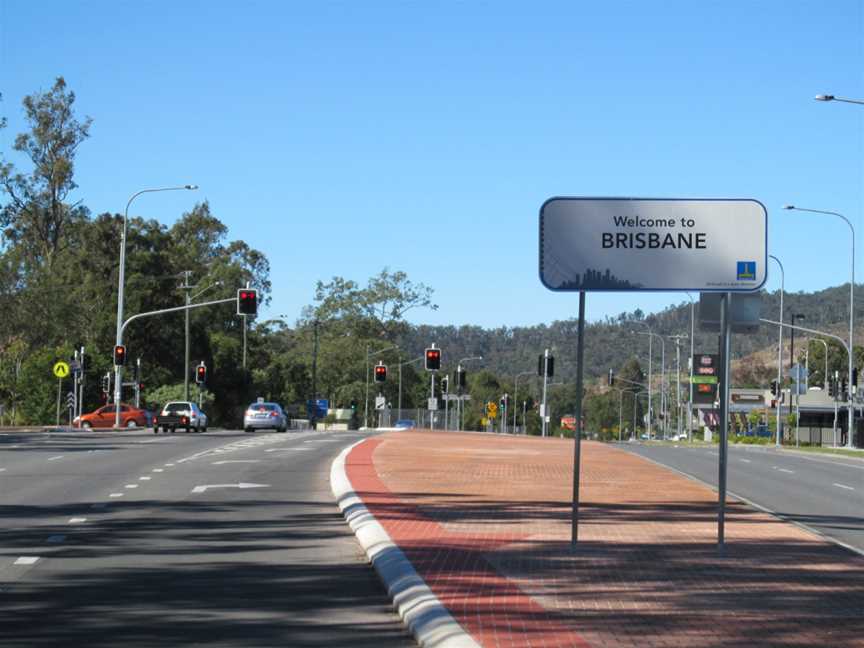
(180,414)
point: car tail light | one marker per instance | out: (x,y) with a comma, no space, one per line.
(273,414)
(184,420)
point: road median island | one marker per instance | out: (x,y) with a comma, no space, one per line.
(484,521)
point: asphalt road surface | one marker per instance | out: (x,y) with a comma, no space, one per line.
(132,539)
(825,493)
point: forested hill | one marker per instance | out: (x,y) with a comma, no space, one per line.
(609,343)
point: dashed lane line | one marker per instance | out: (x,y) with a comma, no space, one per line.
(77,520)
(55,458)
(26,560)
(131,486)
(158,470)
(115,495)
(844,486)
(144,478)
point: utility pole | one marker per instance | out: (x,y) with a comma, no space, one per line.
(543,414)
(314,414)
(187,287)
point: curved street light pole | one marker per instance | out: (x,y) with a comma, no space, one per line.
(118,370)
(780,351)
(516,396)
(828,97)
(851,431)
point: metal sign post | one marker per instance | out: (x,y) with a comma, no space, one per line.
(725,337)
(577,446)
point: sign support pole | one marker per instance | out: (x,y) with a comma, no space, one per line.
(577,446)
(59,387)
(725,346)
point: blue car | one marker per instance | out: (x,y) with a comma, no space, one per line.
(405,423)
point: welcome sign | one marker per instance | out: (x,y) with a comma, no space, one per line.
(635,244)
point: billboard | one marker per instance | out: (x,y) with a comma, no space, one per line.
(636,244)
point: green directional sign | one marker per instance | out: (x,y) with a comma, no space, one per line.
(704,380)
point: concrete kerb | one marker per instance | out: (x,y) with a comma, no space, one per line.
(423,614)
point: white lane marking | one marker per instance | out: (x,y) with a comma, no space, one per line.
(169,464)
(227,461)
(144,478)
(289,450)
(844,486)
(745,460)
(786,470)
(26,560)
(116,495)
(77,520)
(131,486)
(158,470)
(55,458)
(204,487)
(56,539)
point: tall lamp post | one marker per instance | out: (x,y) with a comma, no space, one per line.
(652,335)
(460,408)
(189,299)
(780,349)
(851,297)
(516,397)
(118,370)
(690,364)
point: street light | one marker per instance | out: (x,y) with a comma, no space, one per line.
(516,397)
(118,385)
(828,97)
(662,375)
(780,349)
(460,411)
(692,344)
(851,297)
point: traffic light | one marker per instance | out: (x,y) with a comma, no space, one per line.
(854,376)
(247,301)
(610,379)
(380,373)
(445,384)
(546,363)
(106,383)
(201,374)
(774,391)
(832,388)
(844,386)
(433,359)
(460,379)
(353,405)
(119,355)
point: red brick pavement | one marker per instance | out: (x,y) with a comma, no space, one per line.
(485,521)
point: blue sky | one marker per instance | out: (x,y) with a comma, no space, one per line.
(342,137)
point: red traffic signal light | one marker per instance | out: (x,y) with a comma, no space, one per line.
(247,301)
(119,355)
(201,374)
(380,373)
(433,359)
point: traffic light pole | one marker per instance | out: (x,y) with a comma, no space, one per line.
(117,375)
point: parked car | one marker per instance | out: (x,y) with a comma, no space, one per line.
(180,414)
(104,417)
(263,416)
(405,423)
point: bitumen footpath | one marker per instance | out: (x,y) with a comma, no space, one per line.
(471,535)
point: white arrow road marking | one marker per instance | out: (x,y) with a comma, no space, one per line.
(227,461)
(201,489)
(844,486)
(26,560)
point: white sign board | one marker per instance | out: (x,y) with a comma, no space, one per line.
(636,244)
(380,402)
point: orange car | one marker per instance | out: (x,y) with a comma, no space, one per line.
(104,417)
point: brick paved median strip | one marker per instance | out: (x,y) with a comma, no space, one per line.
(485,521)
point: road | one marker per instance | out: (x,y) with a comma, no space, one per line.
(132,539)
(825,493)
